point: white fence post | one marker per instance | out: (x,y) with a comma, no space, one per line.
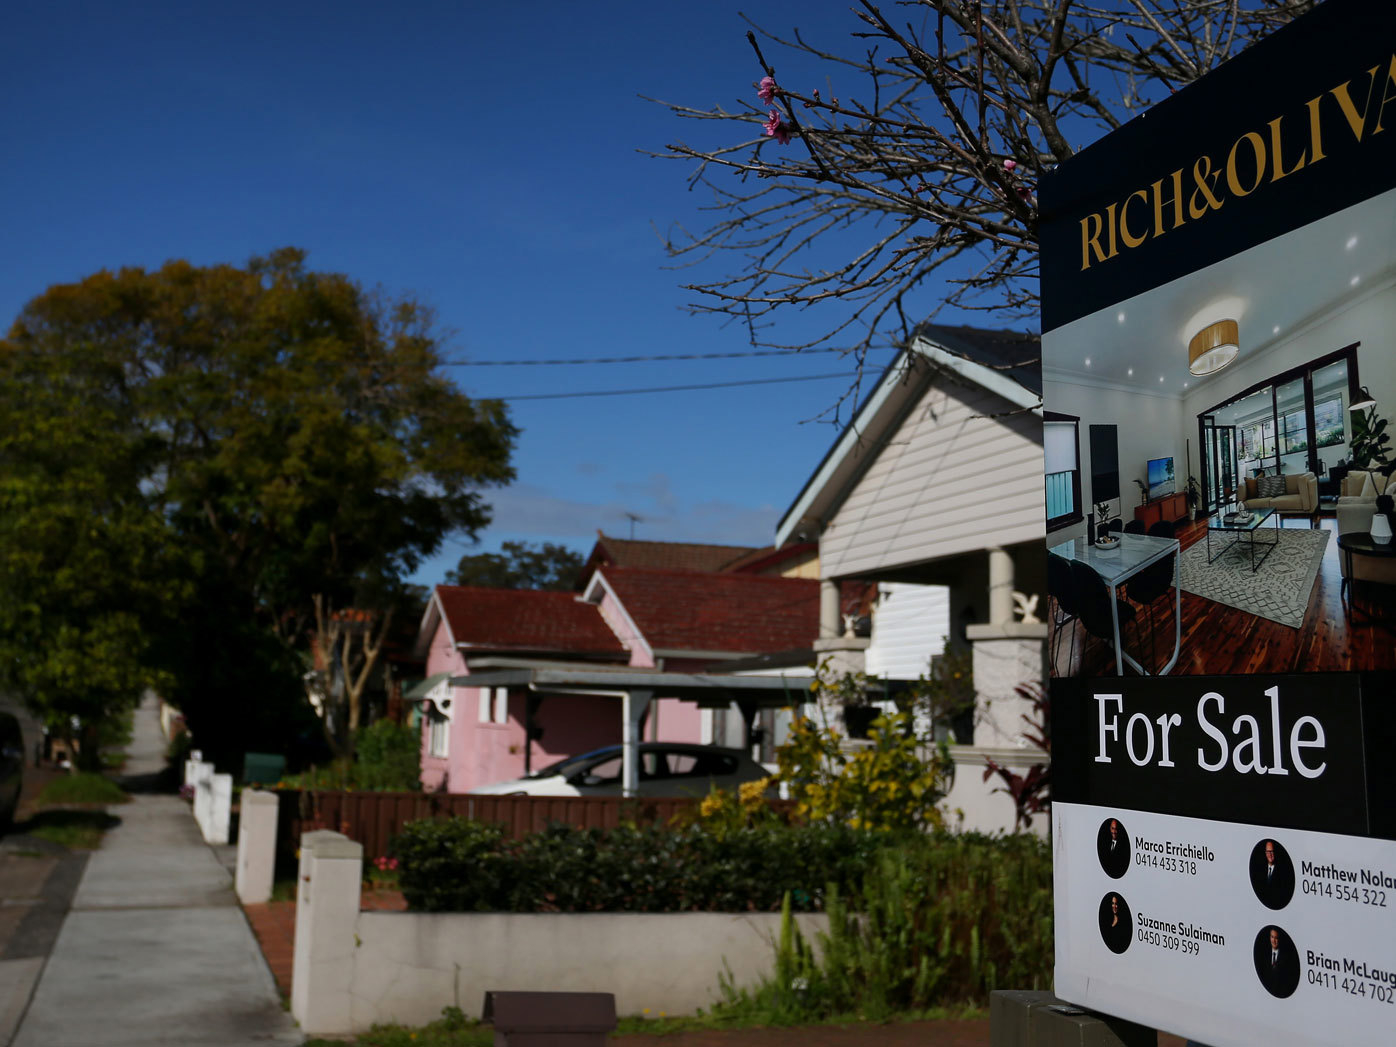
(327,910)
(203,795)
(220,808)
(256,845)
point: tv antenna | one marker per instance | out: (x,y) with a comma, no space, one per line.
(633,518)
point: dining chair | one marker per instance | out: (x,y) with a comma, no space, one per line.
(1162,529)
(1063,596)
(1093,605)
(1146,587)
(1135,527)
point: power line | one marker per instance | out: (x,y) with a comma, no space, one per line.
(671,388)
(639,359)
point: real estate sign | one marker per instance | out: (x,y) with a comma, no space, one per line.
(1219,313)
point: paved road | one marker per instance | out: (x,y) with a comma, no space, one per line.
(155,949)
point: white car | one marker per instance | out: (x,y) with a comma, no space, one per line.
(666,769)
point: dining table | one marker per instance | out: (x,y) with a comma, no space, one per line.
(1119,563)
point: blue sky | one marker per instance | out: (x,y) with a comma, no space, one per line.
(486,159)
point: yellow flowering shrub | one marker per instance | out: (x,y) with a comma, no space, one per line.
(892,784)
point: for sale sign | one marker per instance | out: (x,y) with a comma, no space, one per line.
(1219,297)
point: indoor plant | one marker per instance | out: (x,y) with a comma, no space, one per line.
(1370,440)
(1194,493)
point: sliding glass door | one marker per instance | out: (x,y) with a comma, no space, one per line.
(1330,385)
(1296,422)
(1292,420)
(1219,462)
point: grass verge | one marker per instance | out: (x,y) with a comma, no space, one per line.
(76,830)
(81,788)
(455,1030)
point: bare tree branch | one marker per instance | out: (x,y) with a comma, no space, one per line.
(920,193)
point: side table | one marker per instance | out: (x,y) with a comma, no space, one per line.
(1360,543)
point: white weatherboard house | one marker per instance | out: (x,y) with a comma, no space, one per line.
(938,481)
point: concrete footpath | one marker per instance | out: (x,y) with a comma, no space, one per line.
(155,949)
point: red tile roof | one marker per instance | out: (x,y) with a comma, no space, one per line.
(770,560)
(663,556)
(525,620)
(688,610)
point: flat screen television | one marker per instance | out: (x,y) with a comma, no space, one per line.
(1160,477)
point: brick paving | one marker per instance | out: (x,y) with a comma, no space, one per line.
(274,924)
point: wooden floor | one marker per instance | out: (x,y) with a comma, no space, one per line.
(1218,639)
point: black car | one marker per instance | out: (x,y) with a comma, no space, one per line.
(11,767)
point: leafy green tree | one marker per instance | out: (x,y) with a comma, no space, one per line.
(517,566)
(194,454)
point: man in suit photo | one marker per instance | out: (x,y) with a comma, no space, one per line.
(1276,962)
(1272,874)
(1112,847)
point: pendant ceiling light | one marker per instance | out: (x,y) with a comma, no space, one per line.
(1363,400)
(1213,347)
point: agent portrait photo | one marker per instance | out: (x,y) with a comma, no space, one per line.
(1272,874)
(1276,962)
(1116,923)
(1112,845)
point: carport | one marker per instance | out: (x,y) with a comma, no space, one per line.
(636,688)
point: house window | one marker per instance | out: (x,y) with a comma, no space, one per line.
(438,734)
(494,705)
(1062,451)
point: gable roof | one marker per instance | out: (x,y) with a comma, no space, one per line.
(519,620)
(692,611)
(1017,354)
(1006,363)
(664,556)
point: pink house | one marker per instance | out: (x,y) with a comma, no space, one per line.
(472,737)
(676,621)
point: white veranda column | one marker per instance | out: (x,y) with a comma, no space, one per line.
(634,705)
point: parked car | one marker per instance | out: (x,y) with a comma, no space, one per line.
(666,769)
(11,768)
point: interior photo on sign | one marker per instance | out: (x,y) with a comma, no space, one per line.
(1219,475)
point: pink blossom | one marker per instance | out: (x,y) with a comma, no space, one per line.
(775,128)
(766,90)
(1009,165)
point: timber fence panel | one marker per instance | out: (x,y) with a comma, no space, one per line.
(374,818)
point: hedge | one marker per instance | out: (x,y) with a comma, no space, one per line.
(455,865)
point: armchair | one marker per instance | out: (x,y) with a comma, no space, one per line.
(1355,513)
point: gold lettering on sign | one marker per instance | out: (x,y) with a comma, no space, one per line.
(1125,236)
(1176,200)
(1387,96)
(1358,122)
(1256,158)
(1090,240)
(1200,171)
(1279,171)
(1233,179)
(1315,128)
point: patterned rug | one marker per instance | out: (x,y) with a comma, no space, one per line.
(1278,591)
